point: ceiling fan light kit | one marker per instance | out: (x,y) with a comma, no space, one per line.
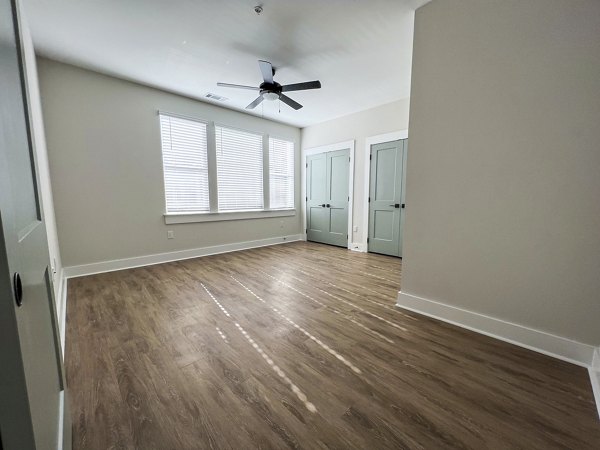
(269,89)
(270,96)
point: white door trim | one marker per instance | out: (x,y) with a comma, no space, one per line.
(372,140)
(595,378)
(323,149)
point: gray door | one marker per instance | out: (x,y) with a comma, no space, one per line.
(31,376)
(317,228)
(327,197)
(386,195)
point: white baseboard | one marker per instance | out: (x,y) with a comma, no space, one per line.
(358,247)
(532,339)
(596,360)
(148,260)
(539,341)
(61,420)
(62,310)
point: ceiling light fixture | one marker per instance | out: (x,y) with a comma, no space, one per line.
(271,96)
(258,9)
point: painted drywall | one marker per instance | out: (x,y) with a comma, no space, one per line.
(386,118)
(43,170)
(106,166)
(503,176)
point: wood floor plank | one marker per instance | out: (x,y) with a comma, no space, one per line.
(301,346)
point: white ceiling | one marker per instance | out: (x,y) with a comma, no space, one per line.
(359,50)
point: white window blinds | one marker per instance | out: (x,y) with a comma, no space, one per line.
(239,169)
(281,173)
(185,164)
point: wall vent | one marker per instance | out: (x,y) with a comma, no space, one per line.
(216,97)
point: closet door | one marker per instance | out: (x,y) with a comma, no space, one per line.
(327,197)
(317,227)
(385,198)
(338,165)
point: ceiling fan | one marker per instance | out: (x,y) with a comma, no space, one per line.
(269,89)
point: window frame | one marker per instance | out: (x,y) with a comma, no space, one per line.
(214,215)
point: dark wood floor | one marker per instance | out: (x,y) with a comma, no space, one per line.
(300,346)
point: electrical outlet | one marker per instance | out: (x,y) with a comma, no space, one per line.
(281,224)
(170,234)
(355,228)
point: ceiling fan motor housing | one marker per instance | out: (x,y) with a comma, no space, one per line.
(271,91)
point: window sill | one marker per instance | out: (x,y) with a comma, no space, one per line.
(173,218)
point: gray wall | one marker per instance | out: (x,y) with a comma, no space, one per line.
(358,126)
(106,166)
(503,178)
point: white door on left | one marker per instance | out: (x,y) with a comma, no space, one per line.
(31,378)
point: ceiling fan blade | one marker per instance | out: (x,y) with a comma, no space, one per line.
(301,86)
(288,101)
(267,71)
(255,103)
(239,86)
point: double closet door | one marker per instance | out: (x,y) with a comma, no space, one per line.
(327,197)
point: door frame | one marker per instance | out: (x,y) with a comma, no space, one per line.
(324,149)
(369,141)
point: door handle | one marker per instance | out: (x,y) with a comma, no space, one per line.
(322,206)
(403,205)
(328,205)
(18,288)
(397,205)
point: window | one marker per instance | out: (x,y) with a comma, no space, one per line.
(239,169)
(215,172)
(281,173)
(185,164)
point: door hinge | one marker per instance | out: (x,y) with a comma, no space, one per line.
(306,230)
(370,157)
(306,198)
(307,165)
(367,240)
(369,199)
(348,159)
